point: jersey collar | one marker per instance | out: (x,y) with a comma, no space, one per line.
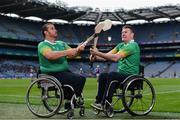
(129,41)
(50,42)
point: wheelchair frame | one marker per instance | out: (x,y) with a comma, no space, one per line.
(130,91)
(50,99)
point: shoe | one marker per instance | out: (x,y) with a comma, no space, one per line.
(97,106)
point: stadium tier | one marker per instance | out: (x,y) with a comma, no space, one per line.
(26,30)
(159,44)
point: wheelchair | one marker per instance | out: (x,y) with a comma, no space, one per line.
(45,97)
(135,95)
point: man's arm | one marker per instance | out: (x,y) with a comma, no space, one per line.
(93,57)
(112,56)
(79,49)
(53,55)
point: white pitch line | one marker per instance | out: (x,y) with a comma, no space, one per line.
(12,96)
(174,91)
(165,92)
(90,99)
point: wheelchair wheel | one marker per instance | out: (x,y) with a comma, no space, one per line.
(143,97)
(117,101)
(44,97)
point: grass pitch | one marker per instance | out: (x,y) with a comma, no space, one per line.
(12,99)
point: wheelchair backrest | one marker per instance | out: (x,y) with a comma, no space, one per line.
(141,70)
(38,72)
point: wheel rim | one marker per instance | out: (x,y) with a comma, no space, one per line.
(117,102)
(143,97)
(41,102)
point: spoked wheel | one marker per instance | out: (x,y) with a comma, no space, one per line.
(52,94)
(117,102)
(63,110)
(44,97)
(143,97)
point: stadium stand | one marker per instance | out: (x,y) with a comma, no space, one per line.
(172,72)
(155,68)
(17,68)
(19,29)
(73,34)
(19,37)
(158,33)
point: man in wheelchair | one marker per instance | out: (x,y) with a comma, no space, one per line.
(127,54)
(53,60)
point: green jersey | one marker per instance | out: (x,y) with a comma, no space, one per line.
(49,66)
(130,63)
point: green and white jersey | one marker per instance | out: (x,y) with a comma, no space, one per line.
(48,66)
(129,64)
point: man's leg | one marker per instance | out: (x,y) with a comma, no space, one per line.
(109,90)
(72,79)
(101,86)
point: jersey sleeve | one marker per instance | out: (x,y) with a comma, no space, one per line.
(43,49)
(66,46)
(115,50)
(128,50)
